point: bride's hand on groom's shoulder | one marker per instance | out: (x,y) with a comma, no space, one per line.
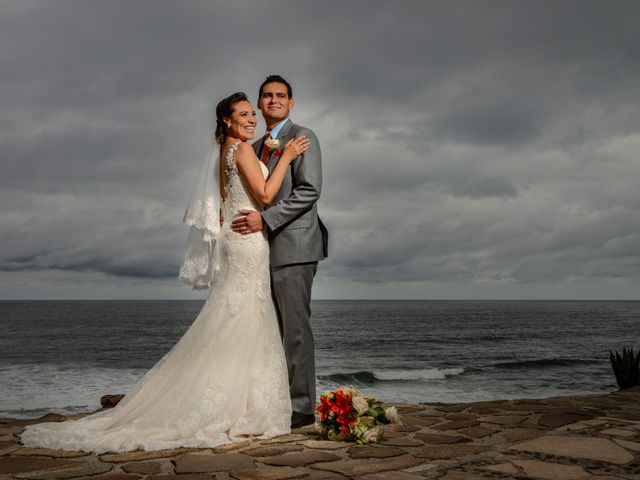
(294,148)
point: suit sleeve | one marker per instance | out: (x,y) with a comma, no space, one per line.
(307,183)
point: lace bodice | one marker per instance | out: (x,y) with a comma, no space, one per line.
(237,194)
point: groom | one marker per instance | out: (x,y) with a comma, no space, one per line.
(297,240)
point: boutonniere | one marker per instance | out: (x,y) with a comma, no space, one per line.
(273,144)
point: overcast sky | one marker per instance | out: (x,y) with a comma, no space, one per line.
(471,149)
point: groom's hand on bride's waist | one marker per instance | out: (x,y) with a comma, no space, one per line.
(248,221)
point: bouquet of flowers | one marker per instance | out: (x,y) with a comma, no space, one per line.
(346,414)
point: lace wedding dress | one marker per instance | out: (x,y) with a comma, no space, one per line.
(226,378)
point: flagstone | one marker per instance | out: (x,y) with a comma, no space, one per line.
(452,408)
(421,468)
(526,408)
(402,442)
(291,437)
(619,432)
(49,417)
(550,471)
(229,447)
(300,459)
(625,414)
(399,430)
(478,431)
(8,443)
(320,475)
(396,434)
(47,452)
(270,473)
(272,450)
(73,469)
(364,466)
(460,416)
(324,444)
(462,475)
(532,425)
(199,463)
(121,476)
(420,421)
(485,431)
(519,434)
(485,408)
(509,419)
(10,449)
(589,448)
(575,427)
(438,439)
(189,476)
(456,424)
(10,430)
(307,429)
(428,411)
(633,446)
(404,409)
(372,451)
(391,476)
(451,451)
(507,468)
(145,468)
(622,423)
(144,455)
(611,477)
(559,420)
(29,464)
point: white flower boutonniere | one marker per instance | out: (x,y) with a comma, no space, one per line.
(272,144)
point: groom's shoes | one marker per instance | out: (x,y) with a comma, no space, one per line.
(302,419)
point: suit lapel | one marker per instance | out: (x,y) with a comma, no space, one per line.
(283,136)
(258,145)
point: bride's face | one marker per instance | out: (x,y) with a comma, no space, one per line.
(242,122)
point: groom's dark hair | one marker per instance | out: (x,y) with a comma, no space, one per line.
(275,79)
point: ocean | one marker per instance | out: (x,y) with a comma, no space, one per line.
(62,356)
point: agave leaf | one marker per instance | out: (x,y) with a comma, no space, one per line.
(626,367)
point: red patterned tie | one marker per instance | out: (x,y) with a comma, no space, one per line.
(265,150)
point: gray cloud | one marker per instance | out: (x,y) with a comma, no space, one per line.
(470,149)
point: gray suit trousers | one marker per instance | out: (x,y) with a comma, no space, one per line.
(291,287)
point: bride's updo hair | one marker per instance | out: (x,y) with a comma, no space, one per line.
(224,110)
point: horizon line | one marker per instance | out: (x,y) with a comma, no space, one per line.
(331,299)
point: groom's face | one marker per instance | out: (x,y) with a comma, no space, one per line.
(275,103)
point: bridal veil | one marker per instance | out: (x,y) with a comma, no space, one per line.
(201,259)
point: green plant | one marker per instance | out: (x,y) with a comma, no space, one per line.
(626,367)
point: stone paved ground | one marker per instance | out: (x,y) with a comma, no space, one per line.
(593,437)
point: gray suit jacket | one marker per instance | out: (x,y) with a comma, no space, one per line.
(296,233)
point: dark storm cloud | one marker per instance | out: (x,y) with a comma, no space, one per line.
(474,143)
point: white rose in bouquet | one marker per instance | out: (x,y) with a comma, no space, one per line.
(360,404)
(392,415)
(351,391)
(372,435)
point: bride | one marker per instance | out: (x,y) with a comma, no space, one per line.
(226,378)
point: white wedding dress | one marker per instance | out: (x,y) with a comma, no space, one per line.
(226,378)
